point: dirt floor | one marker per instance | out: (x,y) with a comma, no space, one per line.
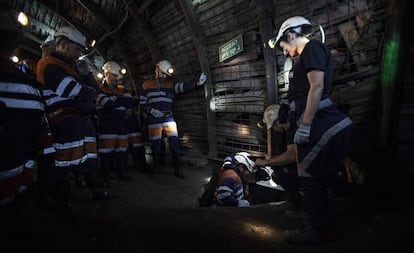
(159,215)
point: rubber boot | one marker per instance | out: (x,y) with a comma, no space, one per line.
(157,163)
(143,165)
(63,194)
(46,164)
(97,187)
(176,164)
(78,178)
(138,156)
(123,169)
(105,167)
(135,160)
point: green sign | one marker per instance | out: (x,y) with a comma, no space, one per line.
(231,48)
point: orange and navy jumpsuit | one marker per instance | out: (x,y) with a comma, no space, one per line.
(70,103)
(21,113)
(230,190)
(113,104)
(157,94)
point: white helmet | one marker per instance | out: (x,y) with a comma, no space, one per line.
(289,23)
(270,115)
(71,34)
(243,158)
(165,67)
(112,67)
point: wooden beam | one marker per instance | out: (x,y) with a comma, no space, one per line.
(149,38)
(69,21)
(32,37)
(392,72)
(143,6)
(265,14)
(200,44)
(92,8)
(31,50)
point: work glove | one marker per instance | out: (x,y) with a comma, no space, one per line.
(202,79)
(82,67)
(156,113)
(243,203)
(113,98)
(302,134)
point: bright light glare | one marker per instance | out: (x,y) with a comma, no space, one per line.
(93,42)
(243,130)
(123,71)
(23,19)
(207,179)
(212,105)
(15,59)
(99,75)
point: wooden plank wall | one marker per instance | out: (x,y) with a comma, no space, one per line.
(354,30)
(239,82)
(176,44)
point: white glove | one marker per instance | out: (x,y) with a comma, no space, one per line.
(202,79)
(156,113)
(302,134)
(243,203)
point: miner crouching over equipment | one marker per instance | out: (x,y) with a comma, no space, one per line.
(70,92)
(156,100)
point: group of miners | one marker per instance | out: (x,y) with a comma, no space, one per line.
(81,125)
(59,122)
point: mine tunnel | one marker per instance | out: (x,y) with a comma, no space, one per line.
(197,77)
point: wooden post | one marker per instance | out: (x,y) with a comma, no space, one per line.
(392,71)
(265,14)
(199,42)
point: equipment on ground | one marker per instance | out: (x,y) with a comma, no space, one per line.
(264,178)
